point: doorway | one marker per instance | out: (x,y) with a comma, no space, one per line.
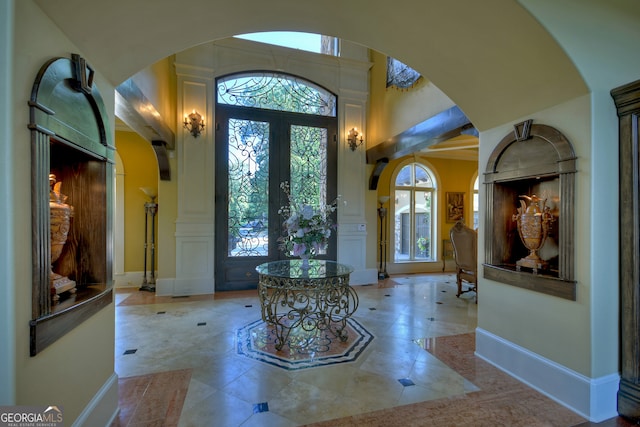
(266,135)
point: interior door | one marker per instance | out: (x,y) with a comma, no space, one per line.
(256,150)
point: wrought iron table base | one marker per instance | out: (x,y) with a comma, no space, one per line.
(312,304)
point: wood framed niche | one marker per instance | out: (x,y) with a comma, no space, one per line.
(69,139)
(534,159)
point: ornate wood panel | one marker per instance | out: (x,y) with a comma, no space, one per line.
(627,99)
(533,159)
(69,132)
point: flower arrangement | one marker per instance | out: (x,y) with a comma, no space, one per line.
(306,229)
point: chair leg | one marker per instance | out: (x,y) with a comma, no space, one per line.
(459,285)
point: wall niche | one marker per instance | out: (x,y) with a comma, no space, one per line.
(71,195)
(530,181)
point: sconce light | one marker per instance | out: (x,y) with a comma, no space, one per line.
(194,123)
(352,139)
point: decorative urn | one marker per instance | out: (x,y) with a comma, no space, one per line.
(534,222)
(60,214)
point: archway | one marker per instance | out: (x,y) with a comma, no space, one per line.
(485,68)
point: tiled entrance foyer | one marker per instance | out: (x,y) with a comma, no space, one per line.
(179,365)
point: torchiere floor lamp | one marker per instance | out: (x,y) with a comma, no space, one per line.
(382,213)
(150,210)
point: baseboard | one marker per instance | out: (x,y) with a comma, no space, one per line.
(129,279)
(103,408)
(181,287)
(164,287)
(592,398)
(420,267)
(364,277)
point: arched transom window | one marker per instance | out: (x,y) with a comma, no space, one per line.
(414,214)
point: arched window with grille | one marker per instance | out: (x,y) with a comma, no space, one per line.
(414,221)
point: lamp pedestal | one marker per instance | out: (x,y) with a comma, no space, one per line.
(150,210)
(382,213)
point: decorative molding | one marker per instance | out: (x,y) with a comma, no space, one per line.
(522,130)
(533,159)
(77,144)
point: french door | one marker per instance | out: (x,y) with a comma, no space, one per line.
(257,150)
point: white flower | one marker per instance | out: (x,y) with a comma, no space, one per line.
(307,229)
(307,212)
(292,220)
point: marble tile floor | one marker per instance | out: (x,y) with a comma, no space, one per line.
(178,365)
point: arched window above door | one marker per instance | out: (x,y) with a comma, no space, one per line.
(276,91)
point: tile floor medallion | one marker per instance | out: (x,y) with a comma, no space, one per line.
(304,349)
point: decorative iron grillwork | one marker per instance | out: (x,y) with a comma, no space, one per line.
(248,208)
(279,92)
(314,298)
(309,165)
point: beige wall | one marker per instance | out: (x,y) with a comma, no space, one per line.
(555,328)
(73,369)
(479,67)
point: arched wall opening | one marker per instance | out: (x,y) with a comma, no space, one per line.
(483,66)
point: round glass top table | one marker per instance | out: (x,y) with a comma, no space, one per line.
(311,296)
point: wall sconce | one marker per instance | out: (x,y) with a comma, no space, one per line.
(352,139)
(194,123)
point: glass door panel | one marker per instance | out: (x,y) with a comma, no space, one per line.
(256,149)
(308,166)
(422,209)
(402,227)
(248,188)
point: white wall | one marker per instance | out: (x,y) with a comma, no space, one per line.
(196,70)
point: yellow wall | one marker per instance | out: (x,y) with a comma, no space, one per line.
(140,170)
(392,111)
(452,176)
(72,370)
(158,83)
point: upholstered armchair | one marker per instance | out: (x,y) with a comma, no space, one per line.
(465,249)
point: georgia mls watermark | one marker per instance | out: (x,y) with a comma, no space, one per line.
(31,416)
